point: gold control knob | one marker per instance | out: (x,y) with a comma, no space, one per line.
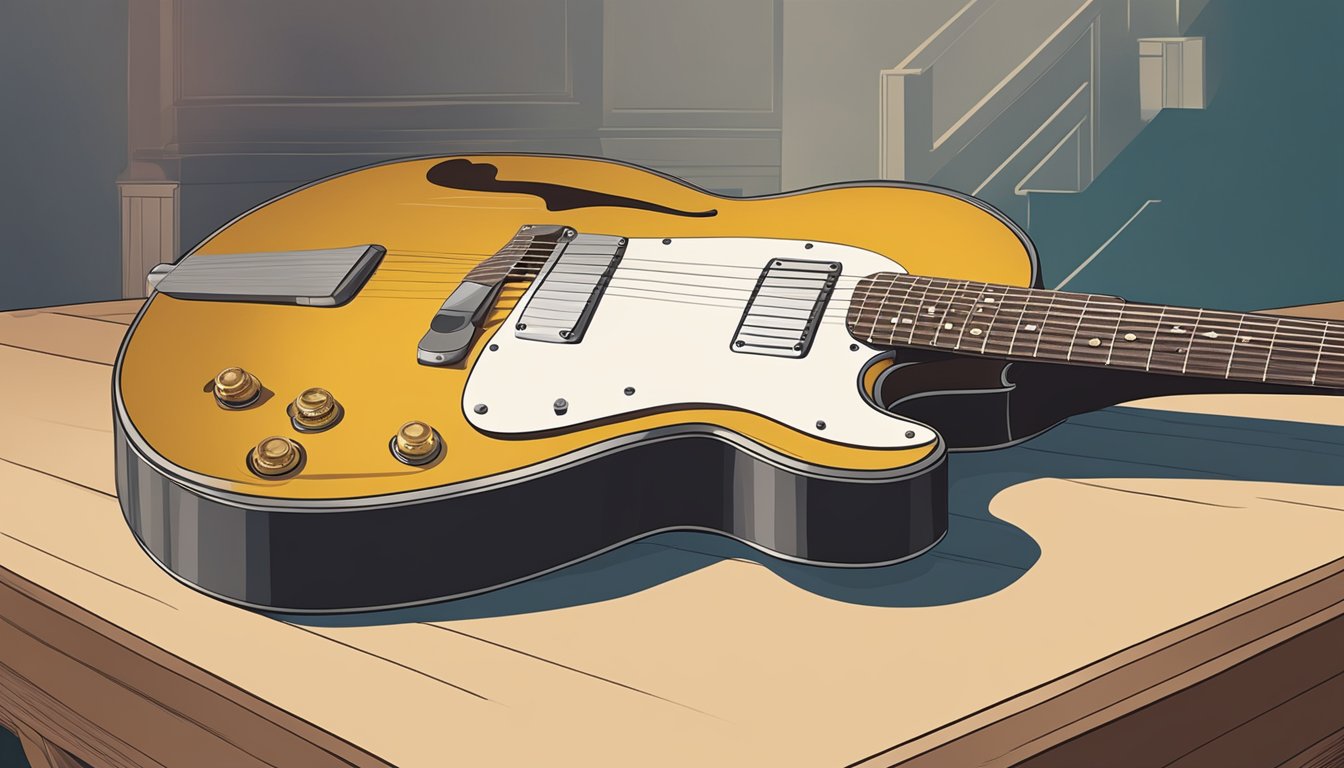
(235,388)
(275,456)
(315,409)
(416,443)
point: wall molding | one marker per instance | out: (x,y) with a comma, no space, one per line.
(149,231)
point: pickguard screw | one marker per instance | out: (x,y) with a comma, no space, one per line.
(494,347)
(629,391)
(561,406)
(821,425)
(521,326)
(853,347)
(481,408)
(667,241)
(809,245)
(909,433)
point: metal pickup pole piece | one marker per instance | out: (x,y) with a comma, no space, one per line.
(569,288)
(786,307)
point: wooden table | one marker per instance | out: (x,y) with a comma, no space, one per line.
(1154,585)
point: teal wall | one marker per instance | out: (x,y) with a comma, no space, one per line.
(1251,187)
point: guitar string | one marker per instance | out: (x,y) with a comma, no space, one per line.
(948,291)
(1051,341)
(1120,354)
(1053,337)
(863,324)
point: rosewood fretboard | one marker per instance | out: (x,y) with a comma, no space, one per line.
(890,309)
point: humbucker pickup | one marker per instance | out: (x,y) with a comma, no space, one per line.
(569,287)
(786,307)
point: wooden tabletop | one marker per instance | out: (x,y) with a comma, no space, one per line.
(1185,552)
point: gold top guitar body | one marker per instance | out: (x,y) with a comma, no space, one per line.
(432,377)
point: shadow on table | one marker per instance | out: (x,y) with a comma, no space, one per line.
(980,555)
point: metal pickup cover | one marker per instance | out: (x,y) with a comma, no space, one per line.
(785,308)
(569,288)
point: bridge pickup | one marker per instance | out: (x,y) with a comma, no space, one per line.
(568,290)
(786,307)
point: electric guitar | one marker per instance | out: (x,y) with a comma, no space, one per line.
(433,377)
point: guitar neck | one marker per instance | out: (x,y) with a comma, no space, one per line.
(890,309)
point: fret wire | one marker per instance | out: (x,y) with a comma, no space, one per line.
(903,312)
(1021,315)
(886,296)
(1236,337)
(1270,355)
(1119,321)
(998,309)
(944,287)
(1325,329)
(914,322)
(863,305)
(951,301)
(877,314)
(1081,314)
(1194,336)
(1045,321)
(969,314)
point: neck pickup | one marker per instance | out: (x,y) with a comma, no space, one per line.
(785,307)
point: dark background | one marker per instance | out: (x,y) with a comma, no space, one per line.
(63,144)
(1250,186)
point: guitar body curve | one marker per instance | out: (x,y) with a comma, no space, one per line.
(655,419)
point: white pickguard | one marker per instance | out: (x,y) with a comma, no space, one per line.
(664,328)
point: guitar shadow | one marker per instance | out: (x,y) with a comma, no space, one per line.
(980,555)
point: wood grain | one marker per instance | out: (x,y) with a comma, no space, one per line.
(674,651)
